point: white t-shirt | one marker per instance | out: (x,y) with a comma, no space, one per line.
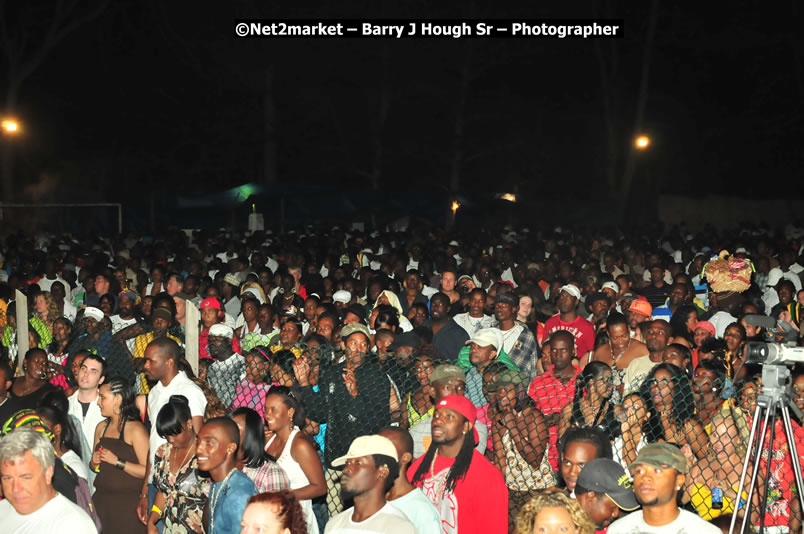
(57,516)
(387,519)
(685,523)
(420,511)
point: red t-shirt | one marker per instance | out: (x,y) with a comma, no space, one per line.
(550,396)
(582,329)
(479,504)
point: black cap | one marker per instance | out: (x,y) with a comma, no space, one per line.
(602,475)
(507,298)
(406,339)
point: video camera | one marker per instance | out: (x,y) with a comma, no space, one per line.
(773,353)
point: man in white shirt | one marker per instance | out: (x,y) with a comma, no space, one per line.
(475,319)
(412,501)
(83,404)
(32,505)
(659,473)
(370,469)
(229,367)
(162,364)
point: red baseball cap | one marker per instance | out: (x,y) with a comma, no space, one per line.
(463,406)
(211,303)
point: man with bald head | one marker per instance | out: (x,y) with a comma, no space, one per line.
(162,364)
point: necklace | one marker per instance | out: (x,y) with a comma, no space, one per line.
(614,358)
(186,455)
(440,482)
(213,500)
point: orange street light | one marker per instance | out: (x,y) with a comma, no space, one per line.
(642,142)
(455,206)
(10,126)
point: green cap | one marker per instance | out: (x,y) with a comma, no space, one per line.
(447,371)
(661,455)
(509,376)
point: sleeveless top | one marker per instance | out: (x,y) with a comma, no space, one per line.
(297,479)
(116,490)
(521,475)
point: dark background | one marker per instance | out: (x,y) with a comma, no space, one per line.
(158,99)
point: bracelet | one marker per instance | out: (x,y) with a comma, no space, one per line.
(156,509)
(143,495)
(121,465)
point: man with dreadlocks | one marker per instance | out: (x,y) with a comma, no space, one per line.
(469,492)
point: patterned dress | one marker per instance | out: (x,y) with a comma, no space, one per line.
(185,493)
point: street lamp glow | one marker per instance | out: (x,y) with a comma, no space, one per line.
(10,126)
(642,142)
(455,206)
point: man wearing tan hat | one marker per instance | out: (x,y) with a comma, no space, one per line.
(446,380)
(370,468)
(659,474)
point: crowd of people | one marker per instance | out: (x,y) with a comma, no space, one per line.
(406,381)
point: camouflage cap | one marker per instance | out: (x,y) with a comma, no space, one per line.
(661,455)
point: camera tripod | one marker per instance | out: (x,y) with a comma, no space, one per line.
(775,395)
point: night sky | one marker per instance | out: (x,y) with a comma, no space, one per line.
(150,93)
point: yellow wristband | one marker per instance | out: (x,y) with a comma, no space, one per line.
(156,509)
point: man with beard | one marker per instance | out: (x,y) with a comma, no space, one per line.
(126,301)
(468,491)
(518,342)
(659,474)
(475,319)
(161,319)
(603,489)
(657,338)
(446,380)
(370,468)
(229,367)
(448,337)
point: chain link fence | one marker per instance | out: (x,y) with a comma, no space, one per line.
(529,427)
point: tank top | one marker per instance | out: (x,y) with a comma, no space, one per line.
(522,476)
(297,478)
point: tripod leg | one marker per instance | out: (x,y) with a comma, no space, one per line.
(746,462)
(756,450)
(796,462)
(763,504)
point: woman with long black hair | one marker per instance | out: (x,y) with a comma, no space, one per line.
(668,398)
(66,441)
(682,326)
(591,405)
(252,458)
